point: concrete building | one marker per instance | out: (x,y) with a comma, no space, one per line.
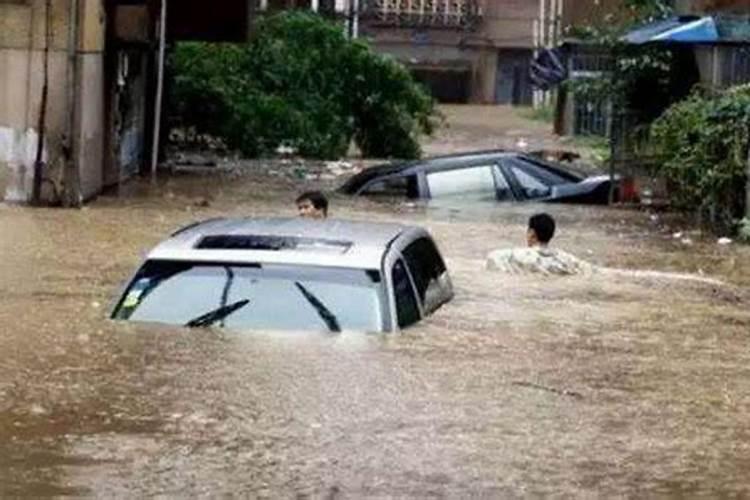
(476,51)
(78,82)
(51,57)
(464,50)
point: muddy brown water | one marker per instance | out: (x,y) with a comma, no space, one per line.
(522,386)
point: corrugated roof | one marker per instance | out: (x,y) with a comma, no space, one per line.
(676,29)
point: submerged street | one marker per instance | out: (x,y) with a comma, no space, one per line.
(544,203)
(523,385)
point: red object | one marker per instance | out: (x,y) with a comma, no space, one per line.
(628,190)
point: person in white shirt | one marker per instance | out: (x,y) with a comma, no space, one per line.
(537,257)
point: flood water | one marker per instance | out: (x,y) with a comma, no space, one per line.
(522,386)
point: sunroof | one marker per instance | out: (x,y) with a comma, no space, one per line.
(270,243)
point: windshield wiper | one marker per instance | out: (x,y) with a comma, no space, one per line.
(211,317)
(325,314)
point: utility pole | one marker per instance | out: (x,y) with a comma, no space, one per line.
(159,89)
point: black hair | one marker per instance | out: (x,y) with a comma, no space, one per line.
(543,226)
(318,200)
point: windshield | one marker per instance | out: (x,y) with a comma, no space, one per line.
(273,297)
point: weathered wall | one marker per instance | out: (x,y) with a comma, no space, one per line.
(708,6)
(509,23)
(505,24)
(22,42)
(89,130)
(484,77)
(22,39)
(584,12)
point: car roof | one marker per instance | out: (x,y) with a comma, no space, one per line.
(356,182)
(328,243)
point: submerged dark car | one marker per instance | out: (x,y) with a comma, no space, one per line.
(485,175)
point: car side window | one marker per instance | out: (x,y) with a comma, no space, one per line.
(407,309)
(532,187)
(548,174)
(398,186)
(425,263)
(473,182)
(504,192)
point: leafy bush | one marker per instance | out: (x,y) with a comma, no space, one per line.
(702,143)
(300,83)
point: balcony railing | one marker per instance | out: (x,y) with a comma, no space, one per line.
(450,14)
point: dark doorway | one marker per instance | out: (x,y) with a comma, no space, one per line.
(449,86)
(217,21)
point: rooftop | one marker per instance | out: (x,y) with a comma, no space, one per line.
(693,29)
(331,242)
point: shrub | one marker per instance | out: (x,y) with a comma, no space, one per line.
(300,82)
(702,143)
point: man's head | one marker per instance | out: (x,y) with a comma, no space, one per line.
(312,204)
(541,230)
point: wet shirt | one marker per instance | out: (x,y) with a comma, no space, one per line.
(537,260)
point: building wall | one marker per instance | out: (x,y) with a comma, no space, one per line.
(584,12)
(22,43)
(467,54)
(21,59)
(708,6)
(509,23)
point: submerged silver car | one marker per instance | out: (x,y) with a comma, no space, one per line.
(289,274)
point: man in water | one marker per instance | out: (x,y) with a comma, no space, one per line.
(537,257)
(312,204)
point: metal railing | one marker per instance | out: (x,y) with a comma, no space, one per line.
(450,14)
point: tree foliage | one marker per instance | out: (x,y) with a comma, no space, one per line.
(638,76)
(703,143)
(301,83)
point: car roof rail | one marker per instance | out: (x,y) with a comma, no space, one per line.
(193,225)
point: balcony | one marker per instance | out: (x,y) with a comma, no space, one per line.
(437,14)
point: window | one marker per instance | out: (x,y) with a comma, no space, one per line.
(531,186)
(281,297)
(400,186)
(425,264)
(472,182)
(504,193)
(407,309)
(547,174)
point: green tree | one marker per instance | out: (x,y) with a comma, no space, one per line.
(634,68)
(702,144)
(300,82)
